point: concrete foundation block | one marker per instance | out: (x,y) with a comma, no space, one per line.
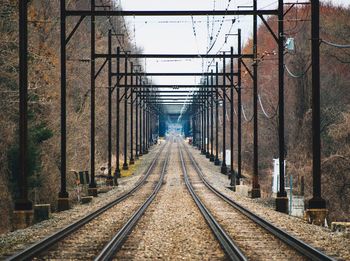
(22,219)
(92,192)
(342,227)
(41,212)
(103,190)
(316,216)
(87,199)
(62,204)
(243,190)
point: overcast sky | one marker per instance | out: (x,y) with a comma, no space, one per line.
(176,34)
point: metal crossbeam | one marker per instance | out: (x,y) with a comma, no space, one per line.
(174,74)
(170,13)
(172,56)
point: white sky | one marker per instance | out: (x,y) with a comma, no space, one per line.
(154,35)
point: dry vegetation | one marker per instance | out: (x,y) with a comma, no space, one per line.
(44,100)
(335,97)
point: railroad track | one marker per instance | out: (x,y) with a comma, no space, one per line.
(85,238)
(254,237)
(230,248)
(117,241)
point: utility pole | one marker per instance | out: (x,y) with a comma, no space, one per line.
(63,196)
(125,164)
(317,205)
(211,116)
(23,212)
(239,110)
(117,165)
(216,160)
(92,190)
(109,167)
(223,163)
(282,199)
(256,185)
(132,161)
(232,171)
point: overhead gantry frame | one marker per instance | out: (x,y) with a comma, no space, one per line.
(148,106)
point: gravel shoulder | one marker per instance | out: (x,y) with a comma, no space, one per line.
(332,243)
(17,240)
(172,227)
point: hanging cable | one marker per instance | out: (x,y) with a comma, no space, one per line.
(264,111)
(335,44)
(245,116)
(294,75)
(220,27)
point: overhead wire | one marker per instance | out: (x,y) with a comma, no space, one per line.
(264,111)
(342,46)
(297,75)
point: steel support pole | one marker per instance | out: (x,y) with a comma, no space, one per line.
(202,125)
(282,199)
(193,127)
(317,202)
(125,164)
(22,203)
(92,190)
(132,160)
(137,118)
(117,165)
(216,161)
(207,154)
(223,163)
(211,117)
(255,185)
(109,177)
(144,128)
(232,171)
(63,197)
(239,110)
(141,127)
(147,128)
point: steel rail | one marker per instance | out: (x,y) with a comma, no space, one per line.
(230,248)
(49,241)
(285,237)
(117,241)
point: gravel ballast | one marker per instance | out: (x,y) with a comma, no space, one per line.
(172,227)
(17,240)
(333,244)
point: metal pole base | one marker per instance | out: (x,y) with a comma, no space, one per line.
(207,155)
(125,166)
(131,162)
(317,203)
(255,193)
(23,205)
(217,162)
(22,218)
(117,173)
(282,204)
(109,181)
(63,204)
(92,192)
(203,152)
(223,169)
(316,216)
